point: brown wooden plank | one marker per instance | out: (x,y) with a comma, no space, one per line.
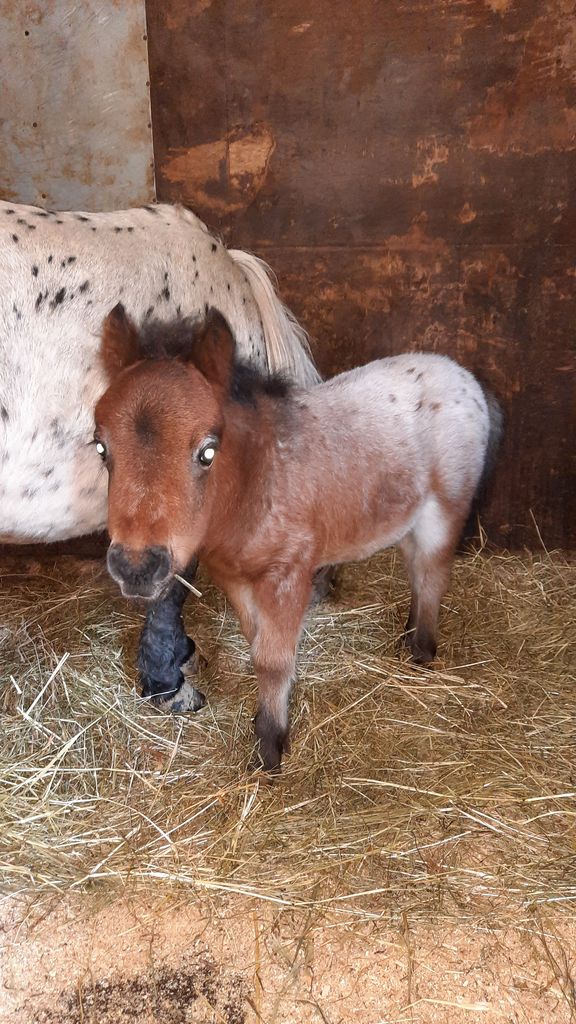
(408,170)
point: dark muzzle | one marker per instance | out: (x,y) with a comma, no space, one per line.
(139,573)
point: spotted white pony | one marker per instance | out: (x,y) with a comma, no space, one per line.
(60,275)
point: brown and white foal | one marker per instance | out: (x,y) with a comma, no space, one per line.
(266,484)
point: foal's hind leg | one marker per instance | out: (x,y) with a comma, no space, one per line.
(429,552)
(165,648)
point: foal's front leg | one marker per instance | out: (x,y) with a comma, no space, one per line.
(165,648)
(280,604)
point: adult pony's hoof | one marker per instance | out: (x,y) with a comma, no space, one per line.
(187,698)
(323,584)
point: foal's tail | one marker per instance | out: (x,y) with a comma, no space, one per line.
(286,341)
(495,432)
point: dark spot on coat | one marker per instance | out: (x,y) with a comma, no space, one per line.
(419,377)
(71,259)
(165,275)
(16,311)
(14,238)
(35,434)
(130,229)
(419,406)
(39,300)
(149,312)
(84,287)
(31,227)
(20,220)
(58,298)
(118,230)
(80,216)
(59,221)
(4,413)
(435,406)
(392,398)
(9,211)
(144,427)
(34,271)
(211,290)
(197,274)
(193,258)
(214,246)
(50,258)
(29,492)
(93,229)
(47,472)
(206,308)
(411,370)
(166,293)
(40,213)
(228,286)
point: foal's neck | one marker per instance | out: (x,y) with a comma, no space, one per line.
(249,462)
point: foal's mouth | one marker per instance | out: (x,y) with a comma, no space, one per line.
(144,575)
(148,594)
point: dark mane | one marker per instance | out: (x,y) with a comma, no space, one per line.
(175,339)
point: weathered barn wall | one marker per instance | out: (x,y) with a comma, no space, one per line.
(75,131)
(408,169)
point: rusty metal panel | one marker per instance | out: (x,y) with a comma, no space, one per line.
(75,128)
(408,169)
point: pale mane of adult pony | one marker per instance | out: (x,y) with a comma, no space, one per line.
(60,274)
(267,484)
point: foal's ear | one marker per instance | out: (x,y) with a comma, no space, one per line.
(119,347)
(212,349)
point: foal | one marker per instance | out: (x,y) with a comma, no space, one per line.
(266,484)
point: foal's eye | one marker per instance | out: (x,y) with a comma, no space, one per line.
(207,453)
(101,449)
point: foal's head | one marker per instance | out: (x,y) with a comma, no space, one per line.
(158,430)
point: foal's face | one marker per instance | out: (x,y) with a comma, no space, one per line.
(158,430)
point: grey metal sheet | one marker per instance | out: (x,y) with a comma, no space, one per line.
(75,128)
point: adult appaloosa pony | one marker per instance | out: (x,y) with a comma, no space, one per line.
(266,484)
(60,274)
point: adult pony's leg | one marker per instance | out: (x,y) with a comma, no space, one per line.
(281,605)
(323,583)
(165,648)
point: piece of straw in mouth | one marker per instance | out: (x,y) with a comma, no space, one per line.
(185,583)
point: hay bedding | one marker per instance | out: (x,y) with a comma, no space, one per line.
(435,794)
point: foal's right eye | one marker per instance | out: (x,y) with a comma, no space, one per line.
(101,449)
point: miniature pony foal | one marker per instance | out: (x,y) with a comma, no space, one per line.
(265,483)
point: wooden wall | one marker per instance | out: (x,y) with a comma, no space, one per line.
(408,169)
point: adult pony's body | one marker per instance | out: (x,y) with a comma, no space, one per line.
(60,274)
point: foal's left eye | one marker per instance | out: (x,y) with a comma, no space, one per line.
(101,449)
(207,453)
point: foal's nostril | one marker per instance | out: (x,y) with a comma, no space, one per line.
(138,572)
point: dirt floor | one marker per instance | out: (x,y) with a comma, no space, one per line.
(150,962)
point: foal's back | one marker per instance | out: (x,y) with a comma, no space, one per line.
(419,407)
(400,438)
